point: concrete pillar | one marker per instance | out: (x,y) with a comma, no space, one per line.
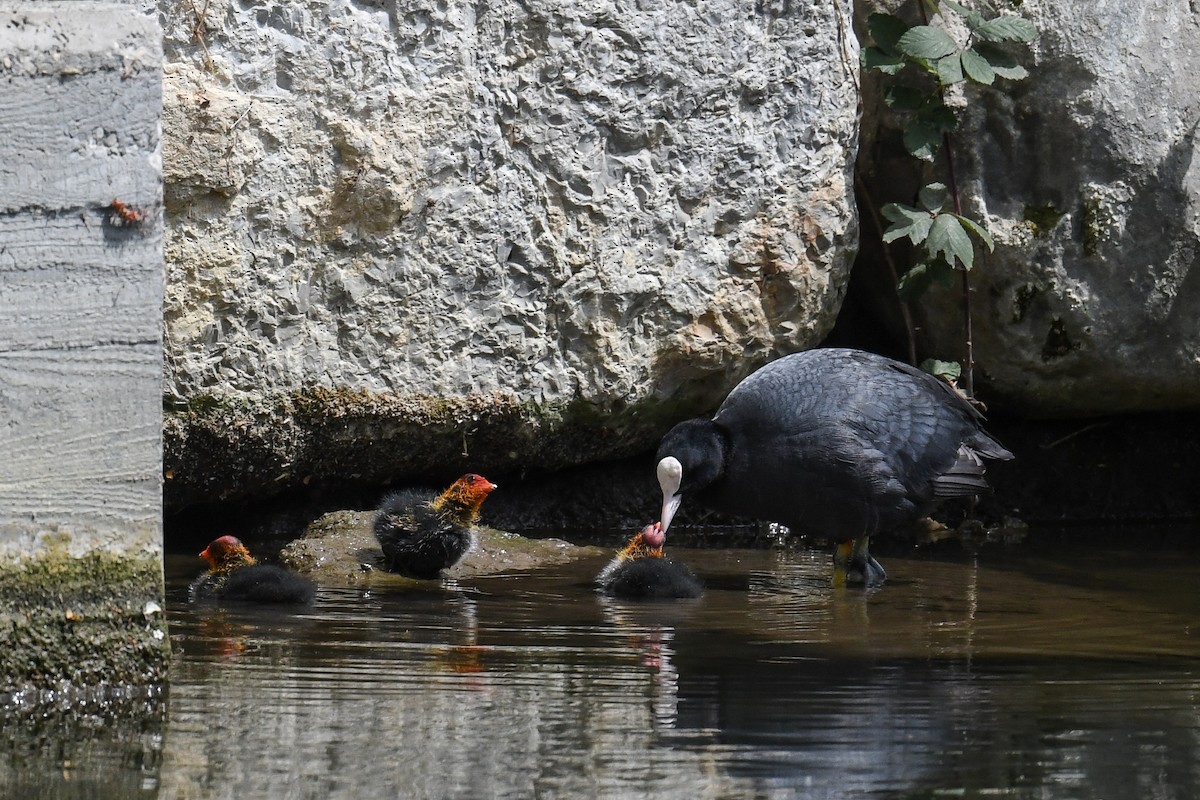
(81,586)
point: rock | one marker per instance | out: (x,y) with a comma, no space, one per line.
(1087,177)
(339,549)
(585,221)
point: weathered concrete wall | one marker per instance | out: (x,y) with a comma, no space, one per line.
(1087,177)
(407,238)
(80,346)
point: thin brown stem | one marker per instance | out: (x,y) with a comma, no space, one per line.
(905,311)
(968,374)
(967,382)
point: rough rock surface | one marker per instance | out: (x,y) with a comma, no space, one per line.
(559,215)
(1086,175)
(339,549)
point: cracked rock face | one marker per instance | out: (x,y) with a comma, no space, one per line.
(609,203)
(1087,177)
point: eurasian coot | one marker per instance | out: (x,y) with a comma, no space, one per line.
(640,571)
(235,576)
(422,534)
(832,442)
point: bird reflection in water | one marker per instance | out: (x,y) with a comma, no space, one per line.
(650,645)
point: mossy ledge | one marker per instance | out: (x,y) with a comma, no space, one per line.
(74,622)
(221,448)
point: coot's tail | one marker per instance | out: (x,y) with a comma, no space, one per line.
(966,476)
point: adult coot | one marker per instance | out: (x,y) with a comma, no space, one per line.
(422,534)
(234,576)
(640,571)
(833,442)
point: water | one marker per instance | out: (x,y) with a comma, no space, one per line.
(1065,667)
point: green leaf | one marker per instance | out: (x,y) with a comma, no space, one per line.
(938,116)
(922,139)
(886,30)
(933,197)
(922,277)
(1003,63)
(979,231)
(874,58)
(946,370)
(977,68)
(906,222)
(905,98)
(923,134)
(1007,28)
(950,69)
(948,239)
(926,42)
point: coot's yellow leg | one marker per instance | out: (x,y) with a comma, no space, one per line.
(873,573)
(841,560)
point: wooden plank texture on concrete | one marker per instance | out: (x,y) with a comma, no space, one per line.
(81,286)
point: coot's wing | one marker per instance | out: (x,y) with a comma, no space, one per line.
(848,442)
(798,452)
(945,447)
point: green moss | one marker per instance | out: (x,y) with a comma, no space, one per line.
(1042,219)
(1023,298)
(1058,343)
(82,621)
(1093,228)
(320,436)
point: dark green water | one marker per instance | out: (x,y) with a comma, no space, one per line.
(1063,667)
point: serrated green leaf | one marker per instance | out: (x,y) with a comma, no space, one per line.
(948,239)
(904,98)
(926,42)
(914,283)
(922,277)
(937,115)
(946,370)
(933,197)
(907,221)
(922,139)
(885,30)
(1007,28)
(1003,63)
(949,69)
(977,68)
(874,58)
(979,231)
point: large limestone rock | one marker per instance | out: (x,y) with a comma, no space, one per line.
(409,238)
(1086,174)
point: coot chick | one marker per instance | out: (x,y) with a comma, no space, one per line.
(834,442)
(641,572)
(234,576)
(422,534)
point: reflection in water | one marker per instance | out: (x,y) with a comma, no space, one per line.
(1028,674)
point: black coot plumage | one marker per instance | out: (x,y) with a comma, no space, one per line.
(422,534)
(640,571)
(234,576)
(832,442)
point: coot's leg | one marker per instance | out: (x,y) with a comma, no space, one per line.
(864,565)
(853,563)
(841,560)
